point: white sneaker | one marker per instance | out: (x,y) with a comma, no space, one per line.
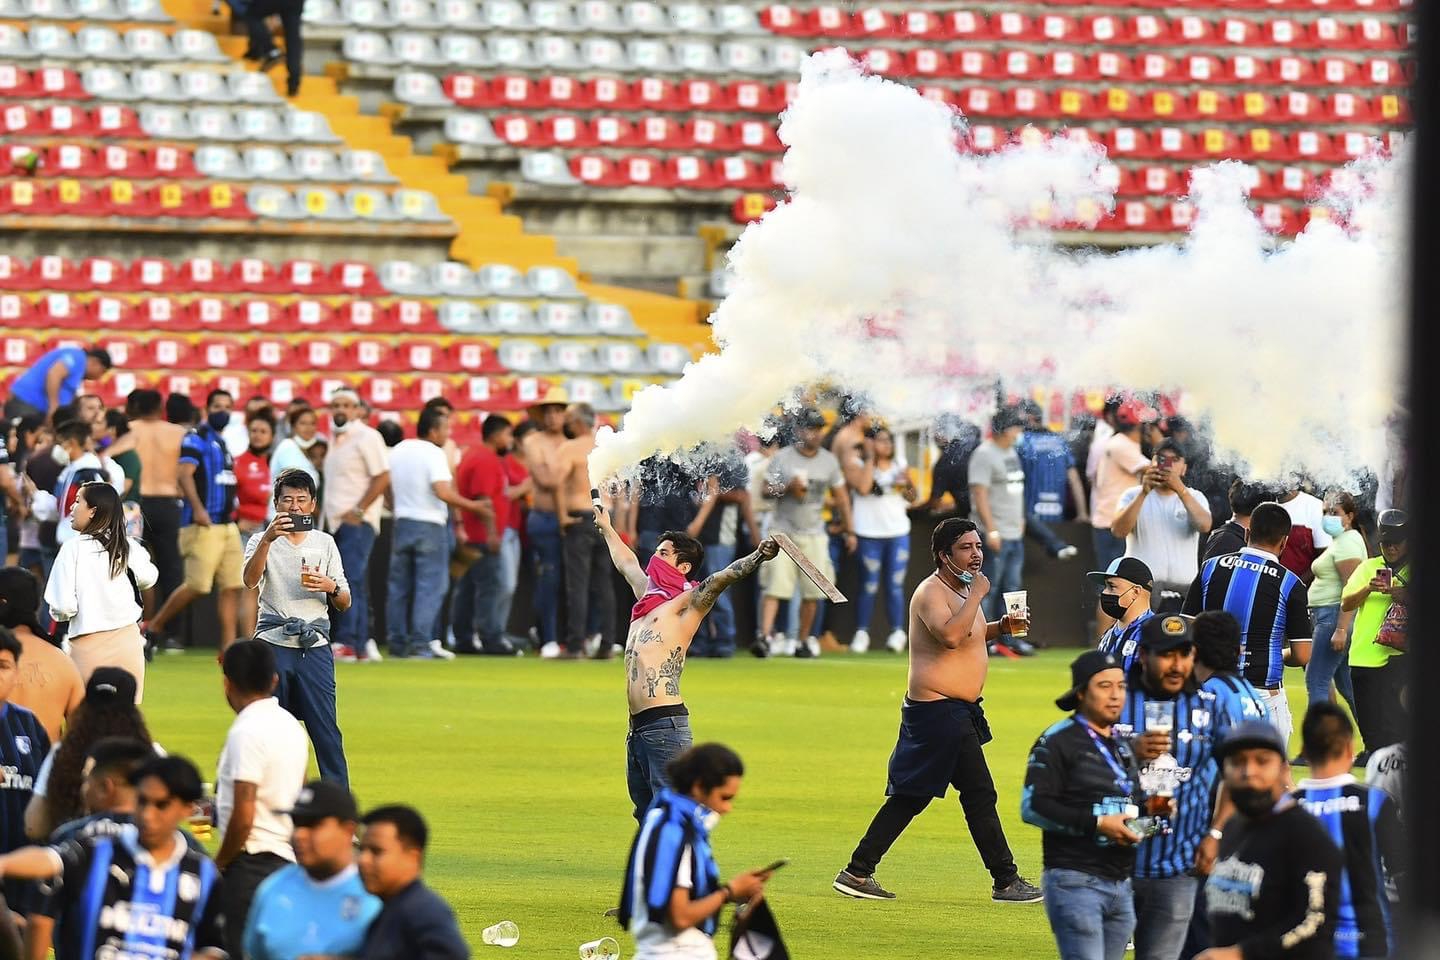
(372,651)
(1066,552)
(860,643)
(551,651)
(592,644)
(790,644)
(812,644)
(897,640)
(438,648)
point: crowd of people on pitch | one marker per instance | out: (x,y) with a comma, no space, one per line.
(99,828)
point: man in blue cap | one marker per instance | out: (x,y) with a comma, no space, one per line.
(1275,888)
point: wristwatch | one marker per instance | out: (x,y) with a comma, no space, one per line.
(1216,833)
(334,593)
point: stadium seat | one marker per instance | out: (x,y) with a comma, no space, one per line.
(150,274)
(204,86)
(405,278)
(469,356)
(363,46)
(461,316)
(450,278)
(415,48)
(69,159)
(210,313)
(563,319)
(308,127)
(417,205)
(366,13)
(369,203)
(363,316)
(471,129)
(667,357)
(523,356)
(611,320)
(274,203)
(623,358)
(307,315)
(102,273)
(317,353)
(63,119)
(546,168)
(512,318)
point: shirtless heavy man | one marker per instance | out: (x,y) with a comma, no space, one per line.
(942,727)
(542,525)
(667,612)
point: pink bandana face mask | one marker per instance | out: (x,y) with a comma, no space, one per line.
(664,583)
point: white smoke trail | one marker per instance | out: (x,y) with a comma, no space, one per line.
(1294,355)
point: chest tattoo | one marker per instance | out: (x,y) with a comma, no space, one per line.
(647,635)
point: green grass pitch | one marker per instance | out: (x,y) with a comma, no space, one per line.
(519,766)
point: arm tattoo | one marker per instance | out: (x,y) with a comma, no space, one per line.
(704,596)
(671,670)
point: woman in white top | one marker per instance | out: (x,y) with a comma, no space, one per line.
(883,492)
(290,453)
(96,583)
(1329,654)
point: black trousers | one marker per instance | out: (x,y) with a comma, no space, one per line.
(162,539)
(241,879)
(1377,702)
(977,798)
(589,594)
(261,42)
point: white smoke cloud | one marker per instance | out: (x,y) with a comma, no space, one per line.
(897,269)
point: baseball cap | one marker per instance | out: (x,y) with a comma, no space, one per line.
(319,799)
(1166,632)
(1251,733)
(1082,668)
(1132,412)
(110,685)
(1126,568)
(1391,526)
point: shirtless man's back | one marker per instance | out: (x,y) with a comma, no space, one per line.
(668,611)
(542,525)
(157,442)
(942,726)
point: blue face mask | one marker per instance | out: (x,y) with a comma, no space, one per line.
(1332,525)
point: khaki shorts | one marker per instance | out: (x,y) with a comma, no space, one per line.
(779,577)
(213,557)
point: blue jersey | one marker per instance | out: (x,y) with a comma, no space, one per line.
(1365,826)
(30,385)
(1192,739)
(24,745)
(214,475)
(294,916)
(1124,642)
(1047,461)
(119,902)
(673,827)
(1236,700)
(1269,601)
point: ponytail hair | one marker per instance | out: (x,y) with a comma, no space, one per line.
(108,524)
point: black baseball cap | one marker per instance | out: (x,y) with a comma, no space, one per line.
(319,799)
(1251,733)
(1126,568)
(109,686)
(1166,631)
(1082,668)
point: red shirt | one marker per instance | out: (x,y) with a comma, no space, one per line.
(515,474)
(252,488)
(482,476)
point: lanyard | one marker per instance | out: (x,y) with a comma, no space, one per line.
(1122,777)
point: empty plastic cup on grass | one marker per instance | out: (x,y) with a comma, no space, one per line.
(502,934)
(603,949)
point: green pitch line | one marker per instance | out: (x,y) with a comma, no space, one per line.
(519,766)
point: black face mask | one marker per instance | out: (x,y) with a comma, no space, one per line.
(1111,606)
(1252,802)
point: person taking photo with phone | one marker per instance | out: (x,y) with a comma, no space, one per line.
(300,576)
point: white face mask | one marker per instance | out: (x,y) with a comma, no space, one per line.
(60,455)
(711,820)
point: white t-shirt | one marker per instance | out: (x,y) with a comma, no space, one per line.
(1309,511)
(414,466)
(266,746)
(1163,536)
(881,516)
(655,941)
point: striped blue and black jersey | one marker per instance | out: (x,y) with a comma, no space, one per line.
(118,902)
(1269,601)
(673,842)
(1236,700)
(214,475)
(1171,852)
(1124,642)
(1364,824)
(23,747)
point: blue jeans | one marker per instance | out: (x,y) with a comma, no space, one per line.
(717,632)
(882,560)
(355,541)
(419,577)
(647,750)
(475,603)
(307,689)
(509,576)
(1162,915)
(1108,547)
(543,529)
(1328,664)
(1038,529)
(1091,917)
(1004,570)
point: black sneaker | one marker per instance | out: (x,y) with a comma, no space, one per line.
(1018,890)
(174,645)
(760,648)
(1299,760)
(861,888)
(499,648)
(271,60)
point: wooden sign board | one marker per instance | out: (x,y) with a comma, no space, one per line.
(832,593)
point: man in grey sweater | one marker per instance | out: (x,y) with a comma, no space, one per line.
(300,576)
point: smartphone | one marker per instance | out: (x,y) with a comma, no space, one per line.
(1384,576)
(774,866)
(300,522)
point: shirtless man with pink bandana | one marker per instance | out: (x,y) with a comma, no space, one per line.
(668,610)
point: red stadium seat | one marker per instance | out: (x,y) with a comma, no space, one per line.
(260,316)
(874,22)
(76,198)
(1013,26)
(71,160)
(1392,109)
(15,83)
(116,121)
(1019,64)
(757,135)
(14,273)
(781,19)
(566,130)
(161,313)
(1154,67)
(1067,65)
(170,353)
(1331,34)
(614,132)
(561,92)
(1118,102)
(386,393)
(18,350)
(1158,180)
(26,198)
(253,275)
(1076,104)
(706,134)
(1299,106)
(883,62)
(216,354)
(314,353)
(168,161)
(63,119)
(268,353)
(1057,28)
(1383,73)
(642,171)
(1105,28)
(61,310)
(117,160)
(354,277)
(223,200)
(17,119)
(1167,105)
(102,273)
(698,94)
(1373,34)
(976,64)
(1277,218)
(1128,142)
(1258,143)
(1234,31)
(1336,71)
(920,25)
(467,90)
(1149,29)
(1176,215)
(369,354)
(656,94)
(981,102)
(112,313)
(735,171)
(1201,68)
(201,273)
(1255,106)
(304,276)
(967,25)
(659,132)
(173,200)
(472,356)
(596,171)
(514,91)
(282,391)
(16,311)
(121,198)
(1281,32)
(211,313)
(54,273)
(1313,145)
(517,129)
(749,96)
(1174,143)
(307,315)
(413,316)
(59,83)
(690,172)
(1028,102)
(363,316)
(607,93)
(125,351)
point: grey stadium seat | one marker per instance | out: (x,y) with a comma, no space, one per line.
(472,129)
(691,18)
(366,46)
(157,84)
(587,390)
(502,280)
(196,46)
(273,202)
(650,56)
(502,15)
(620,357)
(218,161)
(599,17)
(324,13)
(464,50)
(215,123)
(369,204)
(267,163)
(322,203)
(365,166)
(53,41)
(418,205)
(414,48)
(552,15)
(573,357)
(523,356)
(108,83)
(143,10)
(695,57)
(510,51)
(205,86)
(253,87)
(612,320)
(166,122)
(306,126)
(366,13)
(459,14)
(417,14)
(316,163)
(463,316)
(419,89)
(561,318)
(667,357)
(511,318)
(449,278)
(643,16)
(50,10)
(546,167)
(261,124)
(404,277)
(552,282)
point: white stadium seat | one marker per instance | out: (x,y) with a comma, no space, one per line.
(541,166)
(366,46)
(367,203)
(252,87)
(322,203)
(157,84)
(215,123)
(324,13)
(316,163)
(737,18)
(623,358)
(451,279)
(471,129)
(108,83)
(557,53)
(205,86)
(510,51)
(50,40)
(464,50)
(366,13)
(721,282)
(197,46)
(418,205)
(416,14)
(461,14)
(267,163)
(502,280)
(667,357)
(570,356)
(511,318)
(785,58)
(523,356)
(602,53)
(365,166)
(308,127)
(144,44)
(261,124)
(643,16)
(419,90)
(552,282)
(560,318)
(462,316)
(220,162)
(612,320)
(275,203)
(696,57)
(143,10)
(414,48)
(587,390)
(165,122)
(49,10)
(552,15)
(742,56)
(598,16)
(502,15)
(691,18)
(405,278)
(650,56)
